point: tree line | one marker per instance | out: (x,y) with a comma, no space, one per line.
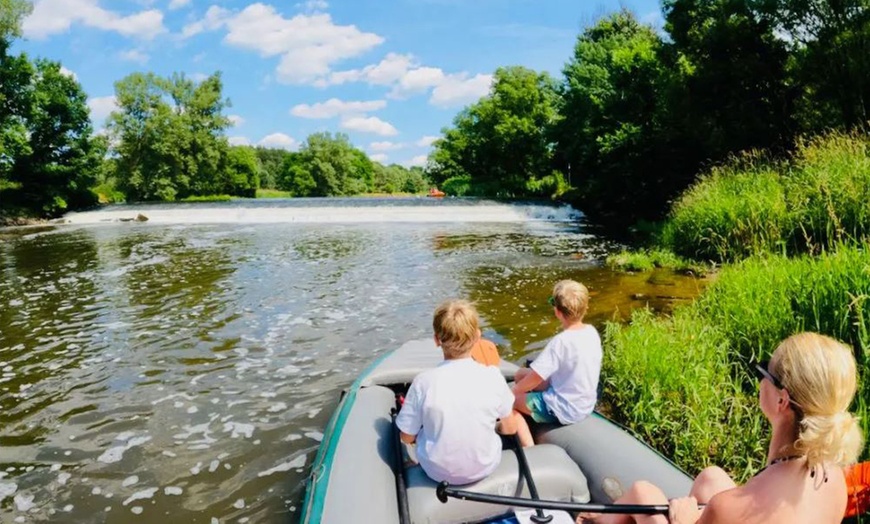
(639,112)
(165,141)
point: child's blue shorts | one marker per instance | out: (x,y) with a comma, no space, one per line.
(540,411)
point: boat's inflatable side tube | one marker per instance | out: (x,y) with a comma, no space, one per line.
(613,460)
(362,487)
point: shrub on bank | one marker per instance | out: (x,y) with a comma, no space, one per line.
(684,382)
(754,205)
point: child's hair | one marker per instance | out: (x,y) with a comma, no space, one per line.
(571,298)
(819,374)
(456,326)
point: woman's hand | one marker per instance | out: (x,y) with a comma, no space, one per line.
(684,511)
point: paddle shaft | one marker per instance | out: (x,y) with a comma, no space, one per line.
(539,517)
(444,491)
(401,488)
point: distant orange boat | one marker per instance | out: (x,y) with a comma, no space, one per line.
(434,192)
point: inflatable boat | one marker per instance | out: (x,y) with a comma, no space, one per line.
(359,473)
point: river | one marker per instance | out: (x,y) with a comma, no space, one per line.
(182,369)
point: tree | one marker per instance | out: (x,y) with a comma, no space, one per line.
(241,172)
(830,46)
(502,142)
(170,136)
(12,12)
(735,94)
(327,165)
(272,164)
(613,135)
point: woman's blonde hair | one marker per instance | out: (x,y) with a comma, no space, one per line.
(571,298)
(819,374)
(456,326)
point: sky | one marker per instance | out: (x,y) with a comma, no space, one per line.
(391,74)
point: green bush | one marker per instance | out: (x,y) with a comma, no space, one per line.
(457,186)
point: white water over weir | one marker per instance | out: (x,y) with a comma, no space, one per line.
(338,211)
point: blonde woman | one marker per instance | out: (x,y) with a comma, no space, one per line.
(805,393)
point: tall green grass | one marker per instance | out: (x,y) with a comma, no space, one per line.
(754,205)
(683,382)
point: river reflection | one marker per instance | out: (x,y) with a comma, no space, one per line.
(183,373)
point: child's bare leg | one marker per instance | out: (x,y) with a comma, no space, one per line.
(523,431)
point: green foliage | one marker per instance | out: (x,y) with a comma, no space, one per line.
(395,179)
(12,12)
(682,382)
(273,193)
(646,260)
(241,172)
(753,205)
(271,165)
(207,198)
(613,135)
(327,165)
(502,142)
(48,156)
(170,138)
(457,186)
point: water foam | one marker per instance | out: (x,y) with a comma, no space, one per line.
(250,213)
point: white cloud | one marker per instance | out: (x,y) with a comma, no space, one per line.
(407,77)
(57,16)
(239,141)
(380,157)
(458,89)
(417,161)
(426,141)
(388,71)
(236,120)
(214,19)
(134,55)
(198,77)
(417,81)
(101,107)
(372,124)
(385,146)
(308,44)
(178,4)
(67,72)
(278,141)
(335,107)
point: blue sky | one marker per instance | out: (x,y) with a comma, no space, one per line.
(389,73)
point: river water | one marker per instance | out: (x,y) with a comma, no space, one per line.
(182,369)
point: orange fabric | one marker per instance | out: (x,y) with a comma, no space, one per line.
(485,352)
(858,488)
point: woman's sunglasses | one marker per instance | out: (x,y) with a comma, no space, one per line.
(761,369)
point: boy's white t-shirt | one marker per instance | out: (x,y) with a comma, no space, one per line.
(572,363)
(453,410)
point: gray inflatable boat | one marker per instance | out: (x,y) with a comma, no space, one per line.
(354,475)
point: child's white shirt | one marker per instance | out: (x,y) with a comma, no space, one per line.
(572,363)
(452,409)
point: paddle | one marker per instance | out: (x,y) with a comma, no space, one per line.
(444,491)
(538,517)
(401,488)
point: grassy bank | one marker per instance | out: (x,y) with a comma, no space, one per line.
(753,205)
(791,235)
(684,382)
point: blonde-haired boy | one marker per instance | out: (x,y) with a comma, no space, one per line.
(452,411)
(562,383)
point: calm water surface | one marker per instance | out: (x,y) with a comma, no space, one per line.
(182,369)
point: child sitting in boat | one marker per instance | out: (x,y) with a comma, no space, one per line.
(452,411)
(561,386)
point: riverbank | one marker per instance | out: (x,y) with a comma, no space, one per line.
(789,239)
